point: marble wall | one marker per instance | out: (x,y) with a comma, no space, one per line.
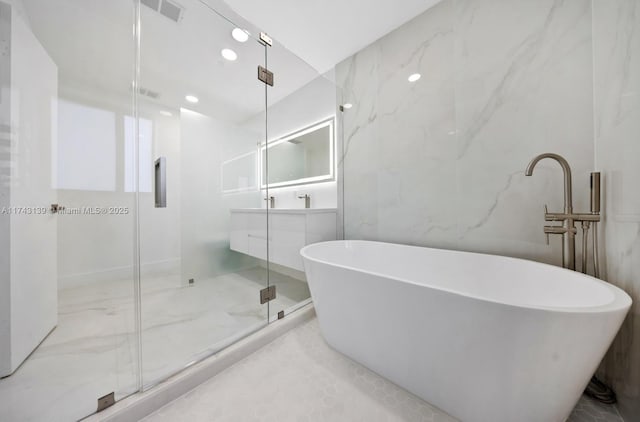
(616,42)
(440,162)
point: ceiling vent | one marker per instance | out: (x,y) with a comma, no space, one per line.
(166,8)
(154,4)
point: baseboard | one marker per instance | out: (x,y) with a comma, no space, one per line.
(290,272)
(165,267)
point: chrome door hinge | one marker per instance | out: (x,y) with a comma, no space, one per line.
(267,294)
(265,75)
(106,401)
(266,40)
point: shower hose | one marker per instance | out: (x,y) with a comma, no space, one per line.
(597,389)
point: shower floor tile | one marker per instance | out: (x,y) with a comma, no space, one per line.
(298,377)
(92,351)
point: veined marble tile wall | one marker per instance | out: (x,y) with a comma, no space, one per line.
(441,162)
(399,138)
(616,35)
(523,87)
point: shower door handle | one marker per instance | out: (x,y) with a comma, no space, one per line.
(160,182)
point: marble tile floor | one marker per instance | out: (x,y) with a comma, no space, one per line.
(92,351)
(298,377)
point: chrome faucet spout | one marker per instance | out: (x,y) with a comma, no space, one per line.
(568,217)
(568,230)
(568,197)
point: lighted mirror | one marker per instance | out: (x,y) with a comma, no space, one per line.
(301,157)
(240,173)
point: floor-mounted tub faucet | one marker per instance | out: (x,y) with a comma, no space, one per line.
(568,217)
(596,388)
(568,231)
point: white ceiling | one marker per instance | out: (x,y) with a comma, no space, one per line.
(91,43)
(325,32)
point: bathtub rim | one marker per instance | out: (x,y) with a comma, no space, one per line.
(621,300)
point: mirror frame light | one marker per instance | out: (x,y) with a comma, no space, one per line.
(330,122)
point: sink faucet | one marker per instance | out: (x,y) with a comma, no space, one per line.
(307,200)
(272,201)
(568,230)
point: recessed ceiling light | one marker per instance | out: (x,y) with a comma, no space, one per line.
(166,113)
(347,106)
(240,35)
(229,54)
(191,98)
(414,77)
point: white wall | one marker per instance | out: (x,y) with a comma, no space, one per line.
(205,144)
(310,104)
(31,312)
(160,227)
(441,162)
(5,194)
(99,248)
(18,8)
(323,195)
(93,248)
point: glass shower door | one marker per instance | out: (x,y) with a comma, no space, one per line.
(203,218)
(302,177)
(67,332)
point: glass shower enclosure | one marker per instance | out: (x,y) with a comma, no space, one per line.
(197,294)
(132,142)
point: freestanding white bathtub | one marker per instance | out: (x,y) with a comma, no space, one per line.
(485,338)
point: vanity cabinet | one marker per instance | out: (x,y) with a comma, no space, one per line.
(289,231)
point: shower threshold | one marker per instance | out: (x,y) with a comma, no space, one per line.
(137,406)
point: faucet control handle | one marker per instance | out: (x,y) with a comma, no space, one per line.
(547,217)
(556,230)
(554,216)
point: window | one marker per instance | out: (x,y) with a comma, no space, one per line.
(86,154)
(145,162)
